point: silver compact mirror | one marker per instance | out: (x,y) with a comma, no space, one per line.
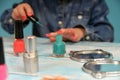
(101,69)
(90,55)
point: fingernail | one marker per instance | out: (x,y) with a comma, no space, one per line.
(75,36)
(60,31)
(48,35)
(24,18)
(30,14)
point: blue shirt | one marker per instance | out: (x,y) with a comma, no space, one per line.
(89,14)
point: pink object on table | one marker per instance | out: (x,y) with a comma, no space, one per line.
(3,67)
(3,72)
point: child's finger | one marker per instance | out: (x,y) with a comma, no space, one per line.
(52,39)
(52,34)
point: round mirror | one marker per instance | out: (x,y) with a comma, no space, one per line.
(100,69)
(90,55)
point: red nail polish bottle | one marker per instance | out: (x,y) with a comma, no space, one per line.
(19,44)
(3,67)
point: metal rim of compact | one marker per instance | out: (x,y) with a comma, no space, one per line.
(90,55)
(98,69)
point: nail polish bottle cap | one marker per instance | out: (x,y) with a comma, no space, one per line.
(18,29)
(31,44)
(2,60)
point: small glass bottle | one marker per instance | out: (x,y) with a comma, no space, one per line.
(19,44)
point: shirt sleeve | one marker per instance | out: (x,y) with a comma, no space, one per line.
(98,27)
(7,22)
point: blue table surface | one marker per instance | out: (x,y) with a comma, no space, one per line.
(53,66)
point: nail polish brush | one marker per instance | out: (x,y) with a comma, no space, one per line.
(34,19)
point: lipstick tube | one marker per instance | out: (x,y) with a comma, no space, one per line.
(31,57)
(3,67)
(19,45)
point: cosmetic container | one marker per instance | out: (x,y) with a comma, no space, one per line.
(30,57)
(19,44)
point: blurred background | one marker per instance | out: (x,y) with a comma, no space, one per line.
(114,17)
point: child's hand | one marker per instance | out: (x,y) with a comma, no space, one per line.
(69,34)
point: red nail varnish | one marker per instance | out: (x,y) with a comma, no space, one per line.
(24,18)
(48,35)
(30,14)
(75,36)
(19,45)
(3,67)
(60,31)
